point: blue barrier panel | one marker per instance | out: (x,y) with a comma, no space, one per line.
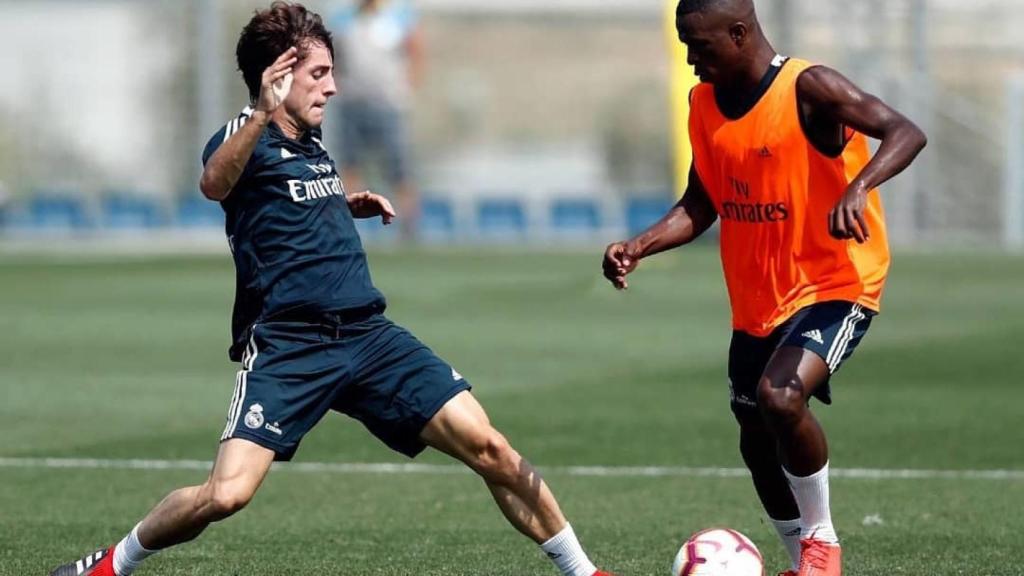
(126,211)
(437,217)
(575,215)
(58,212)
(642,212)
(501,217)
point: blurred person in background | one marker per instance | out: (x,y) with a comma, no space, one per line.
(308,325)
(780,155)
(380,64)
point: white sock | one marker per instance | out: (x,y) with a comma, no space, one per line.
(565,551)
(789,533)
(811,494)
(128,553)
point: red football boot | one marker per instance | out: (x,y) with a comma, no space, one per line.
(99,563)
(819,558)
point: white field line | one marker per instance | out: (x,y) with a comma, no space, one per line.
(591,471)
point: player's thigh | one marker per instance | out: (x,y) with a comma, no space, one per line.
(399,384)
(748,357)
(795,371)
(832,330)
(459,428)
(815,343)
(242,465)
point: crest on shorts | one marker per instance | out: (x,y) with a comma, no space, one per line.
(254,419)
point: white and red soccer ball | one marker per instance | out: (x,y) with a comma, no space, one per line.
(718,552)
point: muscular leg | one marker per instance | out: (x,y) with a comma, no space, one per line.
(181,516)
(792,375)
(760,453)
(461,429)
(790,378)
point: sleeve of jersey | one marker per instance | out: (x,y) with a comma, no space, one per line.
(211,146)
(216,141)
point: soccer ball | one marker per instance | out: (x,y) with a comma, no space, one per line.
(718,552)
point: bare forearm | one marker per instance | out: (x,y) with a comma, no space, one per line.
(225,166)
(673,230)
(897,150)
(829,93)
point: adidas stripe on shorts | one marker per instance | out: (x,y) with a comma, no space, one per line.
(832,330)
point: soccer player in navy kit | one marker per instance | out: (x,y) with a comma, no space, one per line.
(308,326)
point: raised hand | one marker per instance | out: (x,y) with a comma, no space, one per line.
(367,205)
(276,82)
(620,258)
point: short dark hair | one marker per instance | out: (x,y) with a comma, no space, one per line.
(690,6)
(270,33)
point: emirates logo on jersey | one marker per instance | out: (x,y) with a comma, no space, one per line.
(741,210)
(754,213)
(303,190)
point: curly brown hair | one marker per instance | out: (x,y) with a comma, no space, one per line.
(271,32)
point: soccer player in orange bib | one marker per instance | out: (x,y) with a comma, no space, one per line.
(781,157)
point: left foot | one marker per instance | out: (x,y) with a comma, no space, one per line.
(819,558)
(99,563)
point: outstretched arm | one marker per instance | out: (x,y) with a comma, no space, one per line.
(687,220)
(832,95)
(225,166)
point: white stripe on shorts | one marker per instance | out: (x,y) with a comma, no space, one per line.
(231,407)
(842,340)
(248,359)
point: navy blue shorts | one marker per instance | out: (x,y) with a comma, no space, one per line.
(293,372)
(832,330)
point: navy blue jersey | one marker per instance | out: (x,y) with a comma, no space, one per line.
(295,245)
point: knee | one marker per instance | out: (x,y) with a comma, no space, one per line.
(226,497)
(494,458)
(781,401)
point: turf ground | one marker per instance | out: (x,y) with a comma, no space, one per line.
(122,358)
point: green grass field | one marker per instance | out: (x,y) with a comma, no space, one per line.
(120,358)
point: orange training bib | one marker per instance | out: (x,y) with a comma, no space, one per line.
(773,191)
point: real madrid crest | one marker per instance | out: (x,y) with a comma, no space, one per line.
(254,419)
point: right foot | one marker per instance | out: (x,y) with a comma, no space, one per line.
(819,558)
(99,563)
